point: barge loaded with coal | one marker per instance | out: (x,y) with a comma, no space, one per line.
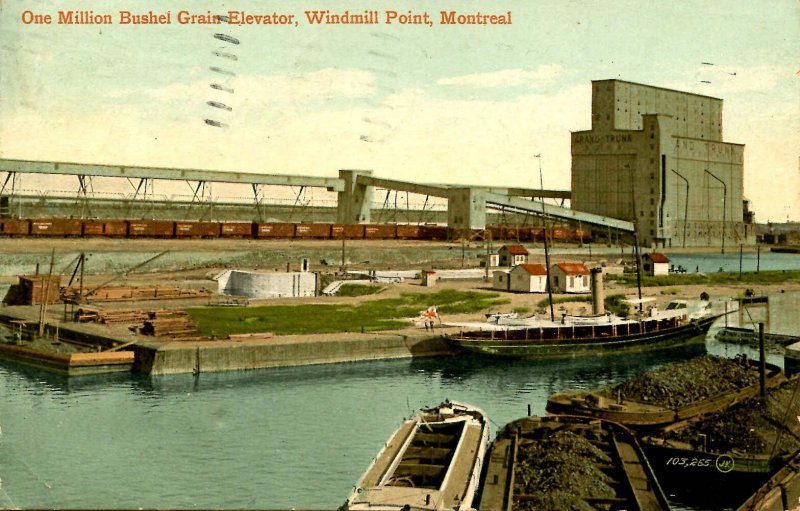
(706,422)
(569,463)
(669,395)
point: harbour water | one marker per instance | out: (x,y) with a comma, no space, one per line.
(729,261)
(279,438)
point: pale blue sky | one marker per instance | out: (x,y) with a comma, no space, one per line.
(446,104)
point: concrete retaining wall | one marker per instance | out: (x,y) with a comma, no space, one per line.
(176,358)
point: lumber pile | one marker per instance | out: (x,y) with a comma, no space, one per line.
(133,293)
(110,316)
(174,324)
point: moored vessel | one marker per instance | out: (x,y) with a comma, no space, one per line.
(655,407)
(737,449)
(577,336)
(569,463)
(432,462)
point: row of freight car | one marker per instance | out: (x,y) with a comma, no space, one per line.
(61,227)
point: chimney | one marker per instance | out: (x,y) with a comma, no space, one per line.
(598,296)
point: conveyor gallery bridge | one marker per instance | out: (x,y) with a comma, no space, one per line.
(466,205)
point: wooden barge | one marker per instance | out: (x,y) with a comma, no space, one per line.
(602,405)
(432,462)
(626,479)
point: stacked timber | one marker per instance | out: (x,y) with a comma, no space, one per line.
(133,293)
(174,324)
(110,316)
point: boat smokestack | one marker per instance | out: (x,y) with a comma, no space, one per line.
(598,295)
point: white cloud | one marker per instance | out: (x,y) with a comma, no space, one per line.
(507,77)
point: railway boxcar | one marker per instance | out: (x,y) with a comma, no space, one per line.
(350,231)
(236,229)
(408,232)
(537,234)
(115,228)
(56,227)
(322,231)
(583,236)
(521,233)
(196,229)
(381,232)
(559,234)
(433,232)
(151,229)
(273,230)
(15,226)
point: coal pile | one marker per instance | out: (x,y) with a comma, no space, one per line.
(683,383)
(560,471)
(755,426)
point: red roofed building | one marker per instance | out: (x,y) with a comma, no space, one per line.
(528,278)
(512,255)
(655,263)
(570,278)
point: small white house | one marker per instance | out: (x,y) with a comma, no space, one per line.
(570,278)
(512,255)
(501,280)
(528,278)
(429,278)
(655,263)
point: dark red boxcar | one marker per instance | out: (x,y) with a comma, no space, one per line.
(351,231)
(105,228)
(498,232)
(275,231)
(115,228)
(15,226)
(434,232)
(537,234)
(93,228)
(196,229)
(56,227)
(151,228)
(408,232)
(312,230)
(384,231)
(236,229)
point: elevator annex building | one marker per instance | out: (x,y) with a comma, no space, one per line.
(656,157)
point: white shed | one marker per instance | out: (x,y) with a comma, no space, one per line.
(528,278)
(570,278)
(512,255)
(655,263)
(501,280)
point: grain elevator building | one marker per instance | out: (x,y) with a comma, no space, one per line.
(656,157)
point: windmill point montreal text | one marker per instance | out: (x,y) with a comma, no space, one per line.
(324,17)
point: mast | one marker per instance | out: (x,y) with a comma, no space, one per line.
(546,248)
(636,241)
